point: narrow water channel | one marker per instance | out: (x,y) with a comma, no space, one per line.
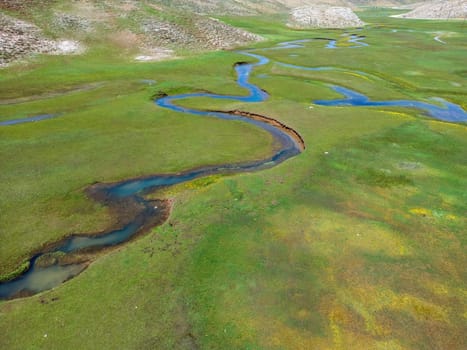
(127,197)
(129,193)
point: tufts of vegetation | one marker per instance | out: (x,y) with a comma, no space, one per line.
(22,268)
(382,178)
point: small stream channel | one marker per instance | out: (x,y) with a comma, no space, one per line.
(139,215)
(128,194)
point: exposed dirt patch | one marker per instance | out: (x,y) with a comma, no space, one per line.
(125,39)
(288,130)
(155,54)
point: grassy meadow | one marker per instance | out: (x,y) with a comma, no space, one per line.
(357,243)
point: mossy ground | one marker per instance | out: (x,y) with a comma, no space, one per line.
(357,243)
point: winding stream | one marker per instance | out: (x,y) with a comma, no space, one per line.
(447,111)
(35,118)
(136,214)
(127,195)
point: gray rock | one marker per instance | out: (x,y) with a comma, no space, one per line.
(444,9)
(323,17)
(19,39)
(67,21)
(198,33)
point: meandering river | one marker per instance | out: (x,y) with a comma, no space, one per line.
(127,197)
(129,193)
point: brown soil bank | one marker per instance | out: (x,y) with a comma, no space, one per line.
(271,121)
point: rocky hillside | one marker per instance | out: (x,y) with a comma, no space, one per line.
(148,29)
(439,9)
(19,39)
(382,3)
(323,17)
(255,7)
(142,29)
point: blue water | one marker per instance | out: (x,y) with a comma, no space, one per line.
(38,278)
(28,120)
(75,243)
(316,69)
(357,40)
(449,112)
(332,44)
(354,39)
(288,149)
(295,44)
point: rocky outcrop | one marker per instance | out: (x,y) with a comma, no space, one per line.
(219,35)
(20,39)
(200,33)
(156,38)
(256,7)
(444,9)
(225,7)
(323,17)
(70,22)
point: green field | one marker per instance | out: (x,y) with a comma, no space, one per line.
(357,243)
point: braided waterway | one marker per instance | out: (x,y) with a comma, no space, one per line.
(63,260)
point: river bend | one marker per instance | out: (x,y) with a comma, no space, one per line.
(126,198)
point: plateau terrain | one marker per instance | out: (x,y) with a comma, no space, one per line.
(278,174)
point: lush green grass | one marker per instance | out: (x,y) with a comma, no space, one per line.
(439,73)
(47,165)
(357,243)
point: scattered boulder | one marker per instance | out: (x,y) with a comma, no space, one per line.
(439,9)
(323,17)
